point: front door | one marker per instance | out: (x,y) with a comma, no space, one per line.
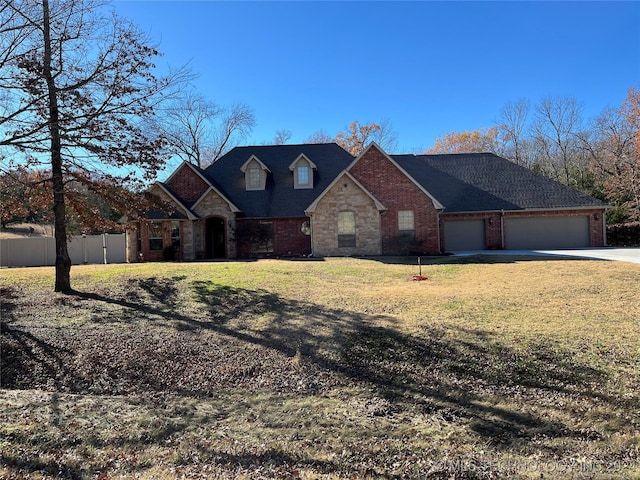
(215,238)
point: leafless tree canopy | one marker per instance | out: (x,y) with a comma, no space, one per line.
(513,122)
(282,137)
(319,137)
(200,131)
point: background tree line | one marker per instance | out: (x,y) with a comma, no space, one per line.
(599,156)
(86,123)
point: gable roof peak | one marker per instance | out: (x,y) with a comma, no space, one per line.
(437,205)
(243,168)
(193,167)
(302,156)
(345,173)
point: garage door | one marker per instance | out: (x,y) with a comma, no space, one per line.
(546,232)
(464,235)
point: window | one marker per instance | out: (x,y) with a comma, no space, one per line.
(254,179)
(406,225)
(175,235)
(262,238)
(302,169)
(255,174)
(303,175)
(155,236)
(347,229)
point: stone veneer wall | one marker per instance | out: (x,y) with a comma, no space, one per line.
(212,205)
(132,242)
(186,240)
(345,195)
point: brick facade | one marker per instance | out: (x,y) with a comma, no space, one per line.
(596,225)
(380,176)
(289,239)
(149,255)
(138,237)
(494,224)
(375,188)
(492,227)
(187,184)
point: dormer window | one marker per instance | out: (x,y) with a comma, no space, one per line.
(255,174)
(302,169)
(303,175)
(253,178)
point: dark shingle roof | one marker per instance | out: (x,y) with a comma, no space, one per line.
(279,198)
(483,181)
(159,215)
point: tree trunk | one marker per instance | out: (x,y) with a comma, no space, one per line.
(63,261)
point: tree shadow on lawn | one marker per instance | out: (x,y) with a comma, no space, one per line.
(255,336)
(461,374)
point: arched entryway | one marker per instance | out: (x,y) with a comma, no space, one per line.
(215,238)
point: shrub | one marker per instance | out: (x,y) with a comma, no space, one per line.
(169,254)
(624,234)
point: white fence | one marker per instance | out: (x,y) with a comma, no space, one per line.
(41,251)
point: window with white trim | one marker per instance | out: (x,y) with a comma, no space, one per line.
(302,169)
(254,178)
(347,229)
(303,175)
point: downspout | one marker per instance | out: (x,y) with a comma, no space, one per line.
(439,240)
(604,228)
(312,254)
(502,229)
(380,230)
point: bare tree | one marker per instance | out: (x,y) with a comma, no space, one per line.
(79,84)
(385,135)
(319,137)
(200,131)
(234,126)
(555,137)
(282,137)
(187,127)
(513,123)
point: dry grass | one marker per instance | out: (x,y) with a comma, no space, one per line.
(495,367)
(21,230)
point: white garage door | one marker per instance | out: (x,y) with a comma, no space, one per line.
(464,235)
(546,232)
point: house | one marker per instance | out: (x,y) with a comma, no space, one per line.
(316,199)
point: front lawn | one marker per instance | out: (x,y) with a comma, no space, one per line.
(494,367)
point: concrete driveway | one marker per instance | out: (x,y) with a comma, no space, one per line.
(618,254)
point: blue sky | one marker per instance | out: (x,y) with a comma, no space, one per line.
(427,67)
